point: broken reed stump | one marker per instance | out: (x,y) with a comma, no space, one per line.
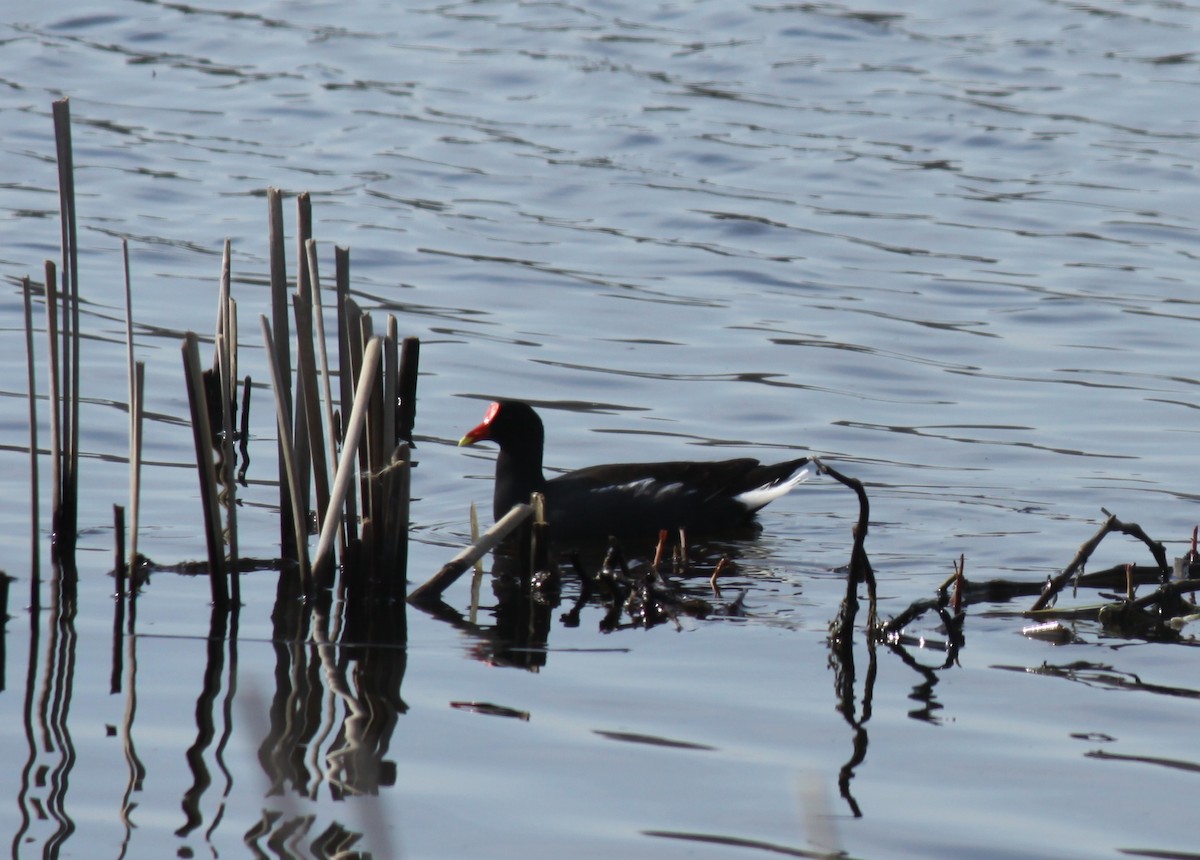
(410,354)
(203,441)
(66,507)
(393,490)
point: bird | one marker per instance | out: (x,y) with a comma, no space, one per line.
(627,498)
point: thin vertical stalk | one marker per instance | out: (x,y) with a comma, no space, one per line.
(136,387)
(368,461)
(301,433)
(308,398)
(331,441)
(226,349)
(345,380)
(397,493)
(34,495)
(135,492)
(56,452)
(322,347)
(289,459)
(304,233)
(391,374)
(283,393)
(202,438)
(299,440)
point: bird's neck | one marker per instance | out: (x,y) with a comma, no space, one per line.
(518,476)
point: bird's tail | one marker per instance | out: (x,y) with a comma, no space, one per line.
(778,485)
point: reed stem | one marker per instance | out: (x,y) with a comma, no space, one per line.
(288,460)
(344,476)
(202,438)
(288,538)
(34,493)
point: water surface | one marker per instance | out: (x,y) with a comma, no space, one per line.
(947,247)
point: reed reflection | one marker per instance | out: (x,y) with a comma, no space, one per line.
(42,799)
(220,636)
(335,706)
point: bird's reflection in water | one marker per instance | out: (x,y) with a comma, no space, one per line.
(625,593)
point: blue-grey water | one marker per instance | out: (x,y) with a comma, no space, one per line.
(949,247)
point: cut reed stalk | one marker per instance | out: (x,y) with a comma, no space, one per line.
(391,362)
(391,535)
(353,335)
(202,438)
(228,495)
(56,449)
(226,367)
(302,433)
(318,320)
(35,553)
(410,359)
(306,375)
(304,234)
(119,566)
(369,459)
(288,538)
(345,379)
(135,456)
(67,525)
(136,387)
(288,464)
(244,430)
(344,476)
(5,581)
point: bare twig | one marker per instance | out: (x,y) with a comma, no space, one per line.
(1111,524)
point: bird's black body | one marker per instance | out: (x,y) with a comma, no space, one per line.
(626,498)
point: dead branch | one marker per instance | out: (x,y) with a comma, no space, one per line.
(860,564)
(1112,524)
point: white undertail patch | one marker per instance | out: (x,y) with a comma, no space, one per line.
(767,493)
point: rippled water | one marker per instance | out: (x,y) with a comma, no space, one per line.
(947,246)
